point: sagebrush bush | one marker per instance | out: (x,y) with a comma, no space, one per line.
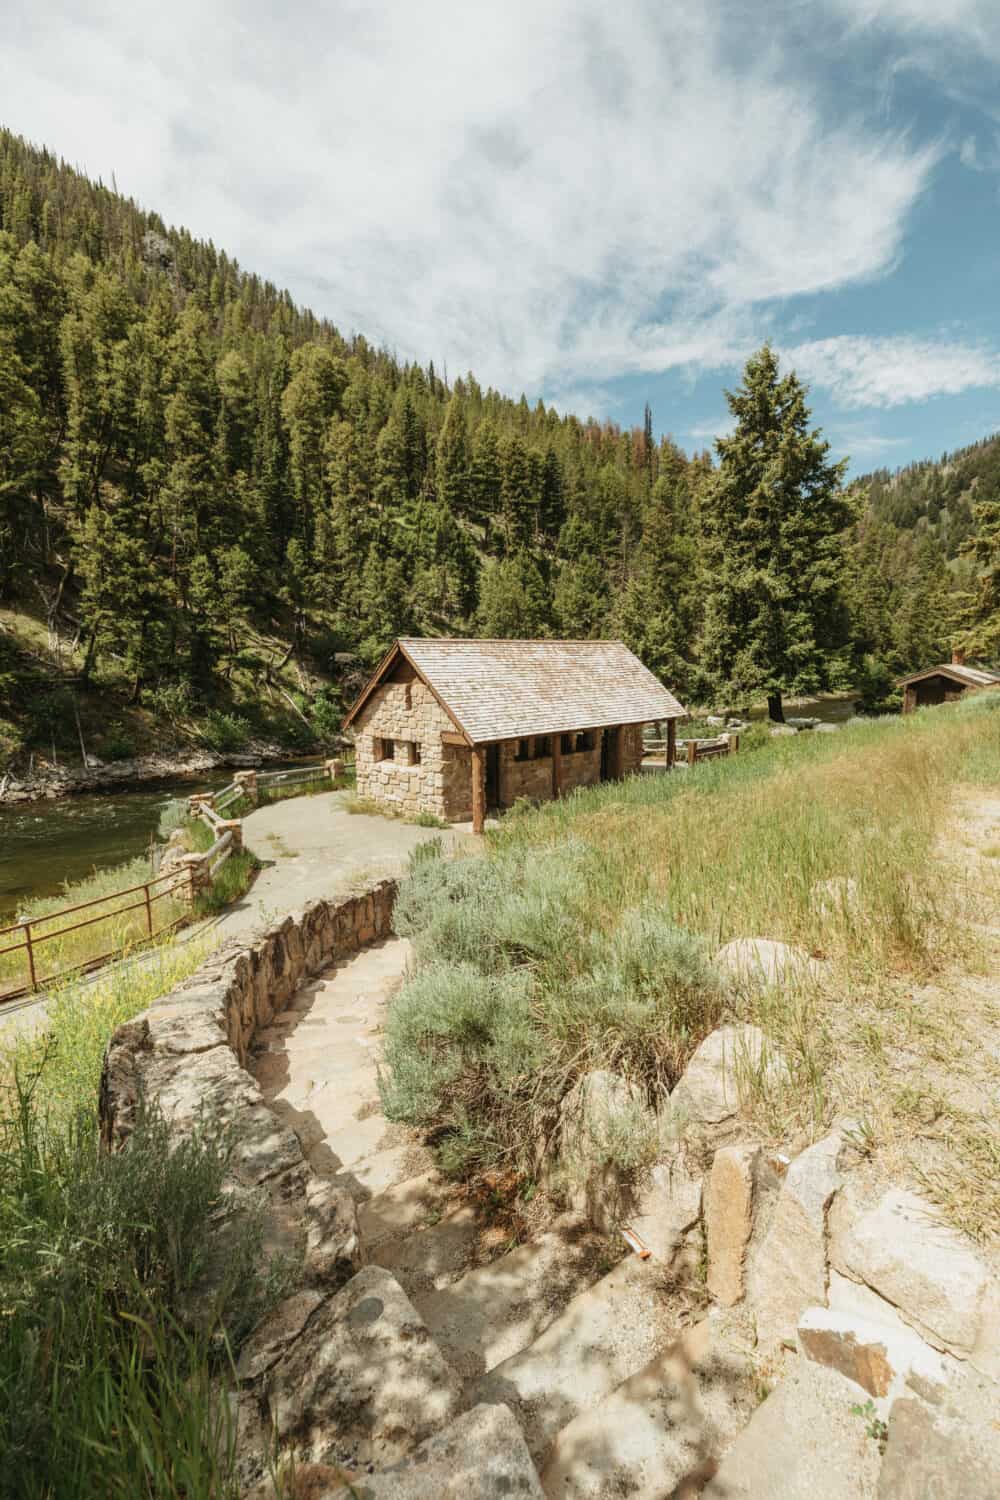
(519,991)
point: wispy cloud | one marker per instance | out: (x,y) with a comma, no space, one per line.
(541,192)
(862,371)
(709,431)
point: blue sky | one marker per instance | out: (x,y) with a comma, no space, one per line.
(600,205)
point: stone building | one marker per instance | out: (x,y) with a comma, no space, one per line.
(458,728)
(944,683)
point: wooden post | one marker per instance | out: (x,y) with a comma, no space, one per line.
(734,743)
(235,827)
(247,780)
(617,752)
(670,752)
(557,766)
(909,700)
(149,910)
(31,955)
(692,752)
(478,757)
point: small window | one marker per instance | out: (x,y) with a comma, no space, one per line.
(566,743)
(585,740)
(408,696)
(383,749)
(525,750)
(543,747)
(412,753)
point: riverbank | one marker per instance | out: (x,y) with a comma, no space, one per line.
(49,782)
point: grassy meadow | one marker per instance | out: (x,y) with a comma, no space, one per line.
(586,935)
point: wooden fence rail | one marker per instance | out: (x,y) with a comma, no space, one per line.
(31,937)
(195,875)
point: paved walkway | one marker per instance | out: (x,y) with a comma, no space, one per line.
(312,847)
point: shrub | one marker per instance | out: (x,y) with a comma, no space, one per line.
(325,716)
(174,815)
(118,744)
(222,731)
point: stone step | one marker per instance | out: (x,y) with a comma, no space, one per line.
(382,1170)
(804,1441)
(659,1430)
(603,1336)
(427,1259)
(493,1312)
(404,1207)
(480,1456)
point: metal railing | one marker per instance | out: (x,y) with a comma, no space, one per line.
(32,937)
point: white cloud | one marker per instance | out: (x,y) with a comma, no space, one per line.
(538,191)
(969,21)
(709,431)
(861,371)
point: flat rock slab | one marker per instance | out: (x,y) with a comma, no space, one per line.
(480,1456)
(364,1383)
(601,1338)
(803,1443)
(931,1455)
(661,1427)
(495,1311)
(403,1208)
(926,1269)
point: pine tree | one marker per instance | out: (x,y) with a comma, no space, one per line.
(981,617)
(774,518)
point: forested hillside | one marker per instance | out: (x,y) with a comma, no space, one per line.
(209,498)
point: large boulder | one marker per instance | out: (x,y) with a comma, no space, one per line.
(722,1071)
(364,1383)
(764,963)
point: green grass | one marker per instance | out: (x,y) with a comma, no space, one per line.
(116,922)
(111,1352)
(584,937)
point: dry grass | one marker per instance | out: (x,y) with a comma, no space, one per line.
(854,847)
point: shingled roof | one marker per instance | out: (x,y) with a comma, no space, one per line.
(966,676)
(502,690)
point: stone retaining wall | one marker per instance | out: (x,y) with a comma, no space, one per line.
(187,1053)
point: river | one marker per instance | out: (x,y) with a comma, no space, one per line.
(45,844)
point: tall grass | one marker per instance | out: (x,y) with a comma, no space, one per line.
(584,938)
(111,928)
(117,1325)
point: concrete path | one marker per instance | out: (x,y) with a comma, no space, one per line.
(312,847)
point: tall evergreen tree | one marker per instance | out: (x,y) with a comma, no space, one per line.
(774,518)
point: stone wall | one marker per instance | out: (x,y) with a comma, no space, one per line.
(187,1054)
(407,713)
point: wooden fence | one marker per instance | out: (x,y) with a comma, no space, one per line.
(195,875)
(691,751)
(34,933)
